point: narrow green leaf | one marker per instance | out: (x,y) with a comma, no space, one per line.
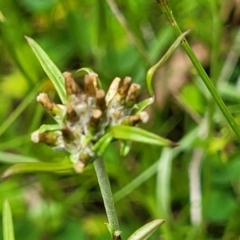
(8,231)
(165,57)
(146,231)
(163,182)
(50,69)
(38,167)
(103,143)
(139,135)
(11,158)
(142,105)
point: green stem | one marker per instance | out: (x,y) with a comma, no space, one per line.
(107,196)
(166,10)
(134,39)
(215,53)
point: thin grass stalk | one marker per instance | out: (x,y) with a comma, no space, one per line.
(166,10)
(214,65)
(138,45)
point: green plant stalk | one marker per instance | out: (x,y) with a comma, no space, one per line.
(134,39)
(166,10)
(214,70)
(107,196)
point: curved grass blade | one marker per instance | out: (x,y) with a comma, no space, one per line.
(50,69)
(38,167)
(139,135)
(8,231)
(149,77)
(142,105)
(165,57)
(146,231)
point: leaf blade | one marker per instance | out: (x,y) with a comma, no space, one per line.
(146,230)
(50,69)
(165,57)
(37,167)
(139,135)
(11,158)
(8,231)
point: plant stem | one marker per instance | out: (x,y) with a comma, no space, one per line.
(133,38)
(166,10)
(107,196)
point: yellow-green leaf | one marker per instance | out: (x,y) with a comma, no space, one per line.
(146,231)
(153,69)
(38,167)
(8,231)
(139,135)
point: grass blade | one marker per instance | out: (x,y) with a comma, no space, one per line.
(50,69)
(163,182)
(11,158)
(8,232)
(165,57)
(139,135)
(37,167)
(146,231)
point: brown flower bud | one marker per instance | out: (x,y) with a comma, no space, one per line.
(71,114)
(125,86)
(100,99)
(51,138)
(132,94)
(51,107)
(67,134)
(71,86)
(113,89)
(91,85)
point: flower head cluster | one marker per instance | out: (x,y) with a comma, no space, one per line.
(88,115)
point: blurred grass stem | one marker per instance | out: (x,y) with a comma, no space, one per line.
(195,187)
(139,46)
(166,10)
(18,110)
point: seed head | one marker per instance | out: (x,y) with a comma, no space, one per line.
(88,115)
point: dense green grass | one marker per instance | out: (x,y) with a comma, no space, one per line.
(151,182)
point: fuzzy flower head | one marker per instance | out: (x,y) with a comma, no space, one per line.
(88,115)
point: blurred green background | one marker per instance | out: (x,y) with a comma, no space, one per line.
(195,187)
